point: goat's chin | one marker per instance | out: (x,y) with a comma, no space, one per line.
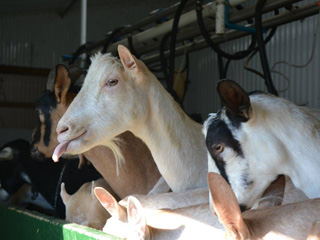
(78,146)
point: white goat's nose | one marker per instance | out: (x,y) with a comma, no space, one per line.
(62,129)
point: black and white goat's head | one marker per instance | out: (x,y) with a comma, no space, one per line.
(232,138)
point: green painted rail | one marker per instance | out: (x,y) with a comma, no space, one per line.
(21,224)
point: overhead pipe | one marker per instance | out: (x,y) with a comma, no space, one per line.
(220,16)
(278,20)
(142,23)
(160,30)
(83,31)
(234,18)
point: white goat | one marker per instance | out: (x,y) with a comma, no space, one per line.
(256,137)
(119,96)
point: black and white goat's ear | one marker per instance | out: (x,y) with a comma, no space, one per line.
(110,203)
(274,194)
(234,98)
(128,60)
(6,154)
(136,218)
(226,207)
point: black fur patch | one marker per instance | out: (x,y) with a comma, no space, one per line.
(235,120)
(219,133)
(245,180)
(243,208)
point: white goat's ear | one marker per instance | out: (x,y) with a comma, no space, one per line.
(62,83)
(136,217)
(6,154)
(314,233)
(226,207)
(128,60)
(110,203)
(63,193)
(273,195)
(234,98)
(92,188)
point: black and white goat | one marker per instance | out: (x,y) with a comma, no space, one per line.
(255,137)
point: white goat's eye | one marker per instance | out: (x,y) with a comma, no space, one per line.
(218,148)
(112,82)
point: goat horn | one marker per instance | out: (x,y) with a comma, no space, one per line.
(6,154)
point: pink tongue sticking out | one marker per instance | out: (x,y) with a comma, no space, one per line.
(60,149)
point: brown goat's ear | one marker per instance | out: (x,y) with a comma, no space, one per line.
(62,83)
(273,195)
(110,203)
(136,218)
(226,207)
(128,60)
(234,98)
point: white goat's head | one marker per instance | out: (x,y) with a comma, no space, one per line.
(110,102)
(239,145)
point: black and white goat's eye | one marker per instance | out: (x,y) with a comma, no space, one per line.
(218,148)
(112,82)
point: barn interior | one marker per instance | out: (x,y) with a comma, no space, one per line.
(189,46)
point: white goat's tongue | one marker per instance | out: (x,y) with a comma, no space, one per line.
(60,149)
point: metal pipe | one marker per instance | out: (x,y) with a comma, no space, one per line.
(160,30)
(271,22)
(83,33)
(234,17)
(220,16)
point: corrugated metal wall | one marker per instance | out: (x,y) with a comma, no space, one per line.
(292,42)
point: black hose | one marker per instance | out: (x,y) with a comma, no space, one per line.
(78,52)
(130,45)
(111,37)
(262,49)
(174,32)
(215,47)
(163,59)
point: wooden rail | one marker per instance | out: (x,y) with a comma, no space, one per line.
(24,70)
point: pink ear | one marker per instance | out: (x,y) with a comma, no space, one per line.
(128,60)
(226,206)
(110,203)
(136,217)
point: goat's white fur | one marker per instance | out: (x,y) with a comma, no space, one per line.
(140,104)
(278,138)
